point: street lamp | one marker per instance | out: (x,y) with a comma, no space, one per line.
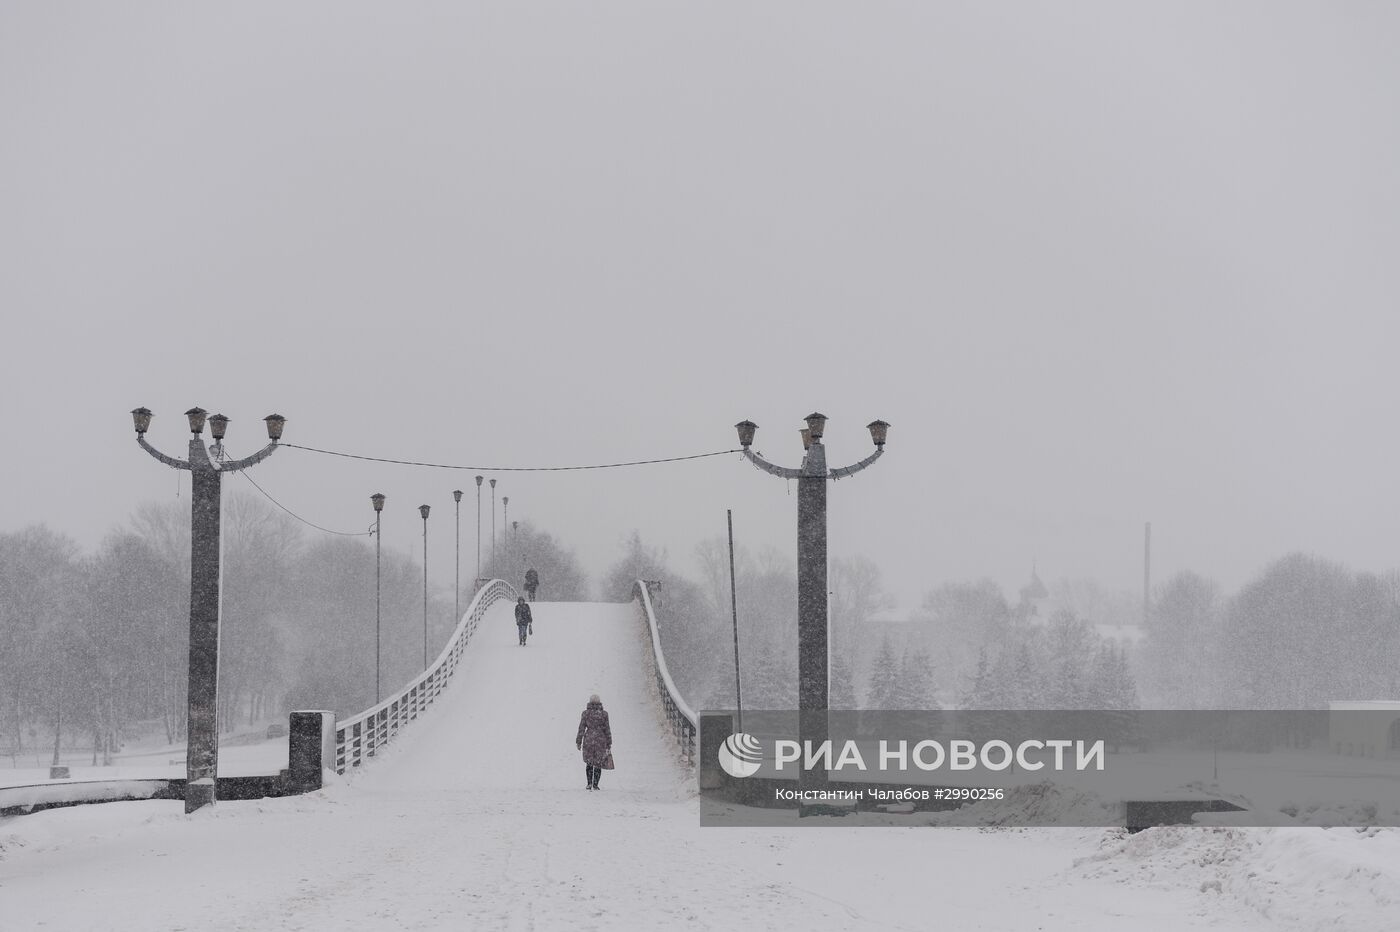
(493,525)
(206,474)
(505,528)
(457,575)
(478,532)
(812,636)
(423,510)
(377,500)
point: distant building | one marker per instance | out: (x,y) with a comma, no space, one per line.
(1034,597)
(1375,735)
(1084,599)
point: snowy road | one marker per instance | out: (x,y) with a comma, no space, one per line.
(479,820)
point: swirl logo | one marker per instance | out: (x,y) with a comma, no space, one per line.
(741,755)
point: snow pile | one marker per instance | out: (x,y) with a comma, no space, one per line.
(1169,856)
(1045,804)
(1320,875)
(1297,878)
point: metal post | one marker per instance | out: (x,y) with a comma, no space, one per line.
(378,543)
(493,526)
(457,572)
(734,611)
(478,527)
(423,510)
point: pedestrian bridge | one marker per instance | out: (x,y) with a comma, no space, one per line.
(587,647)
(506,720)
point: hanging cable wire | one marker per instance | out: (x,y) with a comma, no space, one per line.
(380,459)
(289,511)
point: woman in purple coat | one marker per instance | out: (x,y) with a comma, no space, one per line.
(594,739)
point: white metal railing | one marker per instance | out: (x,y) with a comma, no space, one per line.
(359,737)
(679,716)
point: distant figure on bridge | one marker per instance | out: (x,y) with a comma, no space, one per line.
(595,740)
(524,621)
(532,582)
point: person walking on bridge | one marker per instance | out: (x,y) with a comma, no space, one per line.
(532,582)
(524,621)
(595,740)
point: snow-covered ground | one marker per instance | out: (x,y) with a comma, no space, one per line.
(478,819)
(252,760)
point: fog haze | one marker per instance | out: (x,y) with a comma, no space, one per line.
(1097,265)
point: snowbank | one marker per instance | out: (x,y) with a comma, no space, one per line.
(1297,878)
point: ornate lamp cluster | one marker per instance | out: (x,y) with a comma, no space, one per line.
(206,472)
(813,673)
(814,464)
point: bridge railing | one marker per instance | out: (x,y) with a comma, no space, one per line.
(681,719)
(359,737)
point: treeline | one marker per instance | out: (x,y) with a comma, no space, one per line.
(967,646)
(694,620)
(95,646)
(991,653)
(1304,632)
(697,631)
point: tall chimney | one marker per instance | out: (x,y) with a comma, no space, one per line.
(1146,573)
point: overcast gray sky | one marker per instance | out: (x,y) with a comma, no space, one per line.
(1098,264)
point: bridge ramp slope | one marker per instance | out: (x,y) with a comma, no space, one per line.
(508,721)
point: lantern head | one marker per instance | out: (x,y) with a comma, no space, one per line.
(141,417)
(878,429)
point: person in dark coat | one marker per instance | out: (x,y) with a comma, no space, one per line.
(524,622)
(532,582)
(594,739)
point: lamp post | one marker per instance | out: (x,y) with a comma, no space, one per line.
(377,500)
(206,473)
(812,638)
(457,575)
(505,529)
(478,530)
(514,533)
(423,510)
(493,525)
